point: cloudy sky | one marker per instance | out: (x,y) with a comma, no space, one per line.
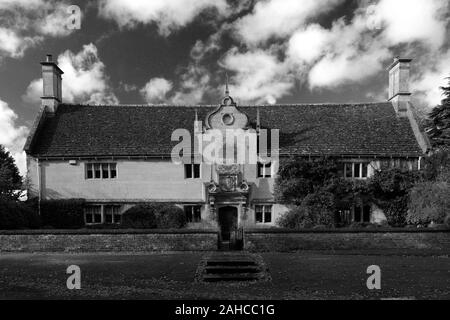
(178,51)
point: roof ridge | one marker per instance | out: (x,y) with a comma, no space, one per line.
(326,104)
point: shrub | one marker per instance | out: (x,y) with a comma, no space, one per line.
(154,215)
(170,217)
(139,217)
(63,214)
(17,215)
(316,211)
(297,218)
(429,202)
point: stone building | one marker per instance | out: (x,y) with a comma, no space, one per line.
(115,156)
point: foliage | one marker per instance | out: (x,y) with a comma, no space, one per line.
(141,216)
(10,179)
(17,215)
(63,214)
(321,207)
(429,202)
(389,190)
(170,217)
(317,209)
(297,218)
(437,166)
(439,129)
(154,215)
(298,177)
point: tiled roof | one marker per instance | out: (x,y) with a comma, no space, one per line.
(338,129)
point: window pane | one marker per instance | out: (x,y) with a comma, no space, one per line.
(89,218)
(188,213)
(357,173)
(117,218)
(364,170)
(258,217)
(267,170)
(196,170)
(105,171)
(97,218)
(97,171)
(90,173)
(260,169)
(348,170)
(357,214)
(108,218)
(267,216)
(188,171)
(366,214)
(197,213)
(259,214)
(113,170)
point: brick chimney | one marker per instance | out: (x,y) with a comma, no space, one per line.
(399,93)
(51,75)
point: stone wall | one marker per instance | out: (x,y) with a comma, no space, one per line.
(396,240)
(107,241)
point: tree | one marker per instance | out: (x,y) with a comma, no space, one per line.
(10,179)
(439,128)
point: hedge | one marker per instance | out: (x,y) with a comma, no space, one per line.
(63,214)
(17,215)
(154,215)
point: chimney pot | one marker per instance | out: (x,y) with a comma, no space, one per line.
(49,58)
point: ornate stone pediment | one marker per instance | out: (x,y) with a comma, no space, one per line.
(227,116)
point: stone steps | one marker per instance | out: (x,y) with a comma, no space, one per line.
(231,267)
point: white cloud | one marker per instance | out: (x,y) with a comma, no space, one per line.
(12,136)
(14,45)
(25,23)
(259,76)
(155,90)
(426,85)
(195,82)
(279,18)
(413,20)
(169,15)
(306,45)
(84,79)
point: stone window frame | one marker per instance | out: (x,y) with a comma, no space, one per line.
(192,212)
(90,170)
(360,172)
(192,171)
(262,168)
(102,213)
(361,213)
(263,206)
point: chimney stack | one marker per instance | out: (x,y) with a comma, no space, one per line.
(51,76)
(399,93)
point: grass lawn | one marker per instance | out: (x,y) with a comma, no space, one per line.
(304,275)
